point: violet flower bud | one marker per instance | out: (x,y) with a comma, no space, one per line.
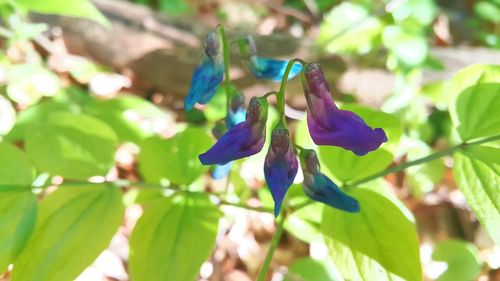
(207,76)
(280,166)
(320,188)
(244,139)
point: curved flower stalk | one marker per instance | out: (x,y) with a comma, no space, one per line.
(329,125)
(244,139)
(320,188)
(209,75)
(280,166)
(265,68)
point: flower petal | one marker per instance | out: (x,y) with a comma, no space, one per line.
(220,171)
(271,69)
(204,83)
(322,189)
(280,166)
(241,141)
(329,125)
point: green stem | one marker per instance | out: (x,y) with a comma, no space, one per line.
(406,165)
(280,97)
(146,185)
(226,58)
(422,160)
(274,245)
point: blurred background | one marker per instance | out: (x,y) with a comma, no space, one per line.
(393,55)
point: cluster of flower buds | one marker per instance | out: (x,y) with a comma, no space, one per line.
(328,125)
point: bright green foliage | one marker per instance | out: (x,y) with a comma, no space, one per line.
(124,114)
(423,178)
(72,146)
(17,220)
(73,8)
(17,203)
(302,136)
(305,223)
(16,169)
(348,28)
(420,11)
(477,111)
(477,172)
(379,243)
(488,11)
(174,236)
(466,78)
(409,48)
(37,114)
(7,116)
(464,262)
(312,270)
(75,225)
(28,83)
(346,166)
(174,159)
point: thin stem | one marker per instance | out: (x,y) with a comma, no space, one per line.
(226,58)
(419,161)
(272,248)
(268,94)
(406,165)
(280,97)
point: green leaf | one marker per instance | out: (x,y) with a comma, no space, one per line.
(476,112)
(309,269)
(423,178)
(345,165)
(464,262)
(477,172)
(72,146)
(422,11)
(174,7)
(17,220)
(302,136)
(73,8)
(348,28)
(174,159)
(16,168)
(172,239)
(28,83)
(75,225)
(131,117)
(488,11)
(35,115)
(378,243)
(7,116)
(216,108)
(305,223)
(468,77)
(408,47)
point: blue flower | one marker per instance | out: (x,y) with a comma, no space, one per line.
(329,125)
(280,166)
(244,139)
(265,68)
(320,188)
(207,76)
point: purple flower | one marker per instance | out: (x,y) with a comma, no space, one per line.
(280,166)
(329,125)
(207,76)
(265,68)
(242,140)
(320,188)
(235,115)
